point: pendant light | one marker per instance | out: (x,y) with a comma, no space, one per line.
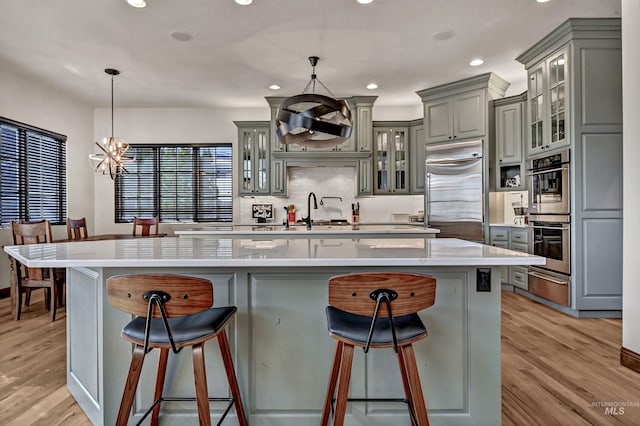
(311,119)
(113,157)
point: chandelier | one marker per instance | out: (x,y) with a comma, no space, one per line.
(113,157)
(311,119)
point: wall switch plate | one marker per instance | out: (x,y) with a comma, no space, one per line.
(483,279)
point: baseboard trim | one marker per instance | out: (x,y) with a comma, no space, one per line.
(5,292)
(630,359)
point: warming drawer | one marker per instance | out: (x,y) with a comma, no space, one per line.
(550,286)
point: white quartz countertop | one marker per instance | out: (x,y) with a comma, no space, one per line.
(293,230)
(294,252)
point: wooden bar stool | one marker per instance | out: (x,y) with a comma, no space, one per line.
(172,312)
(377,310)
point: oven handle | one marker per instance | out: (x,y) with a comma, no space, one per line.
(553,228)
(547,171)
(547,278)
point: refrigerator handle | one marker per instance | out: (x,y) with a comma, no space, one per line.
(427,204)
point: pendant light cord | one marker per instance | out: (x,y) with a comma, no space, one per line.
(112,107)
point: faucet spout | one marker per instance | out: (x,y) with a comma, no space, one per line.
(307,219)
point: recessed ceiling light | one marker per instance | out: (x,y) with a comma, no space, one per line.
(181,36)
(137,3)
(274,87)
(476,62)
(542,1)
(365,1)
(372,86)
(244,2)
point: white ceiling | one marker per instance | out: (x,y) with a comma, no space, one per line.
(238,51)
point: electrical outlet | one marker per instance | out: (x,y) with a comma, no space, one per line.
(483,279)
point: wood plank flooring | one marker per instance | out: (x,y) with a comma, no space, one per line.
(554,369)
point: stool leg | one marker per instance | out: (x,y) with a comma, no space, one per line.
(231,377)
(405,383)
(343,384)
(331,387)
(200,378)
(131,385)
(162,370)
(417,398)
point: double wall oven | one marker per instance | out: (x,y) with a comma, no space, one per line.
(549,226)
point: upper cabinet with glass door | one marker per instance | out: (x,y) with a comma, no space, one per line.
(548,87)
(391,173)
(253,155)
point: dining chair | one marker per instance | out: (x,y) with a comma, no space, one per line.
(145,223)
(27,279)
(77,229)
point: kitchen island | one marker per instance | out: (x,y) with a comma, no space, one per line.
(281,348)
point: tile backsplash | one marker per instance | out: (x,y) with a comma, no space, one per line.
(339,183)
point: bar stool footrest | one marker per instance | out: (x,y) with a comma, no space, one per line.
(191,398)
(403,400)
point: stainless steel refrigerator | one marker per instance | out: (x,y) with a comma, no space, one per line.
(454,191)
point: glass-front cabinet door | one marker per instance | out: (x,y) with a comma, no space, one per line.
(390,160)
(253,142)
(536,108)
(557,96)
(548,103)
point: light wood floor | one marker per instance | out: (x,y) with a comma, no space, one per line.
(554,368)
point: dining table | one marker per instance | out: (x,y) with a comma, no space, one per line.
(104,237)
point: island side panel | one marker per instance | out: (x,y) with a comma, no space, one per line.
(459,361)
(283,353)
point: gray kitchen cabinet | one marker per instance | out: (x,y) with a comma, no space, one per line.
(510,143)
(456,117)
(390,158)
(459,110)
(575,101)
(513,238)
(417,157)
(278,177)
(363,122)
(548,107)
(253,157)
(499,237)
(365,186)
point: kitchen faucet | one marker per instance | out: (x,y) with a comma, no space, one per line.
(307,219)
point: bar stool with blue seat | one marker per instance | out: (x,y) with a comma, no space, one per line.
(173,312)
(377,310)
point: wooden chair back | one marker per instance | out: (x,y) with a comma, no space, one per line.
(36,232)
(145,223)
(352,292)
(77,229)
(184,295)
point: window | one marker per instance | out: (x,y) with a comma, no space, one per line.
(178,183)
(32,174)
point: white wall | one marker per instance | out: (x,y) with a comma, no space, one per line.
(28,101)
(163,125)
(631,151)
